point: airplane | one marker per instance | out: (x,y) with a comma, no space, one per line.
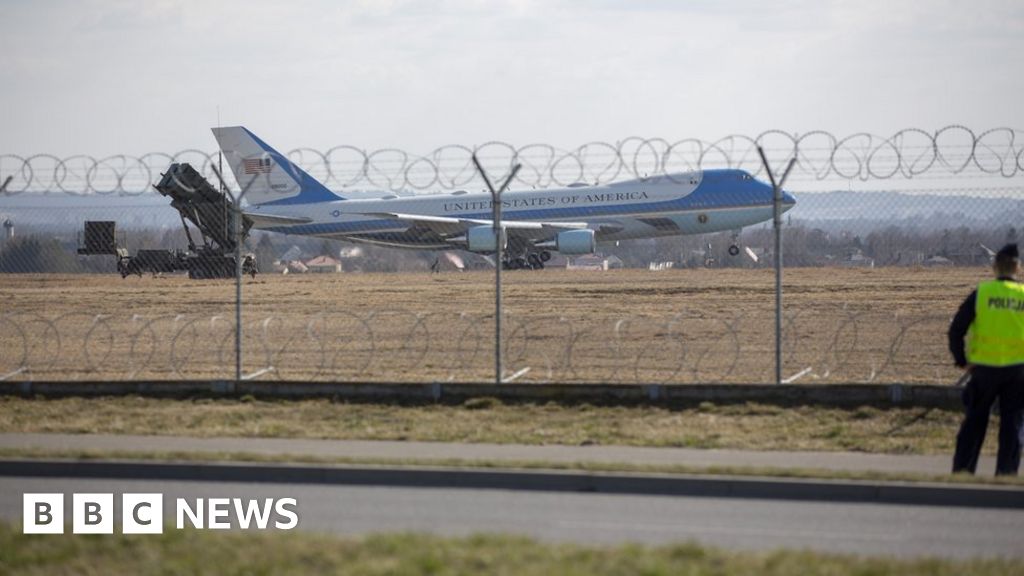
(572,220)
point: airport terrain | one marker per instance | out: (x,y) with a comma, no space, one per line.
(842,325)
(874,326)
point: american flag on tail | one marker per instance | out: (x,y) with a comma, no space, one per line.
(257,165)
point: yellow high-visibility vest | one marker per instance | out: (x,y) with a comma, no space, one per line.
(997,333)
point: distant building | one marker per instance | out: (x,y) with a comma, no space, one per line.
(977,255)
(594,262)
(295,266)
(937,261)
(910,258)
(323,264)
(857,259)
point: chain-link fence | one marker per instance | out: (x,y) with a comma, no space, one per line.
(888,233)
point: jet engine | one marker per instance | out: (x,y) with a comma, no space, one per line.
(481,239)
(576,242)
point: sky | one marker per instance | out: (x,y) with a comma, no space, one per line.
(104,77)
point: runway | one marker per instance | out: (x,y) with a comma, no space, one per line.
(732,523)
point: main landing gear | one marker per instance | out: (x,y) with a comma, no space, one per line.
(532,261)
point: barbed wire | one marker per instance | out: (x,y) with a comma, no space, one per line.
(401,345)
(908,154)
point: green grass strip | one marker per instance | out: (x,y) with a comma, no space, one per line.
(198,552)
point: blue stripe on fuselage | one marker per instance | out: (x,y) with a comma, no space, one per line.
(718,190)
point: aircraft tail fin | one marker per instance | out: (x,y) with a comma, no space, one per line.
(264,174)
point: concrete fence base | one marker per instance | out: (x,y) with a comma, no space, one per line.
(922,395)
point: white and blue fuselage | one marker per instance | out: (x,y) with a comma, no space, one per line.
(691,203)
(285,199)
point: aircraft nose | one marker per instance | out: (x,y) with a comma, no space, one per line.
(788,200)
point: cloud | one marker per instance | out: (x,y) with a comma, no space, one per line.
(112,77)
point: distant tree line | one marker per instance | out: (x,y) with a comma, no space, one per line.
(35,254)
(807,245)
(803,244)
(57,254)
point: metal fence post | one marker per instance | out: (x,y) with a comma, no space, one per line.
(499,251)
(777,225)
(237,217)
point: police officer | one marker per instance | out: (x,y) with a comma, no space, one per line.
(994,359)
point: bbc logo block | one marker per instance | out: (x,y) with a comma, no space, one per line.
(43,514)
(142,514)
(93,513)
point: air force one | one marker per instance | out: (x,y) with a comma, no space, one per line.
(284,198)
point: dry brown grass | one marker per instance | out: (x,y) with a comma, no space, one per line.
(844,325)
(744,426)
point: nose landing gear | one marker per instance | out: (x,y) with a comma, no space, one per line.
(734,247)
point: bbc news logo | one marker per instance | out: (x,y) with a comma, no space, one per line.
(144,513)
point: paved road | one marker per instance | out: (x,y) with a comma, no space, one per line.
(692,457)
(597,518)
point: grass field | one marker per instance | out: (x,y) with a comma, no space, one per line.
(248,458)
(195,552)
(744,426)
(841,325)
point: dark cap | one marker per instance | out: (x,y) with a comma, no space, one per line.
(1008,251)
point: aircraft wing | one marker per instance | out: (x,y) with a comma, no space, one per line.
(454,229)
(261,220)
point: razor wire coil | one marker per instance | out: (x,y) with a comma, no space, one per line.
(912,153)
(403,345)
